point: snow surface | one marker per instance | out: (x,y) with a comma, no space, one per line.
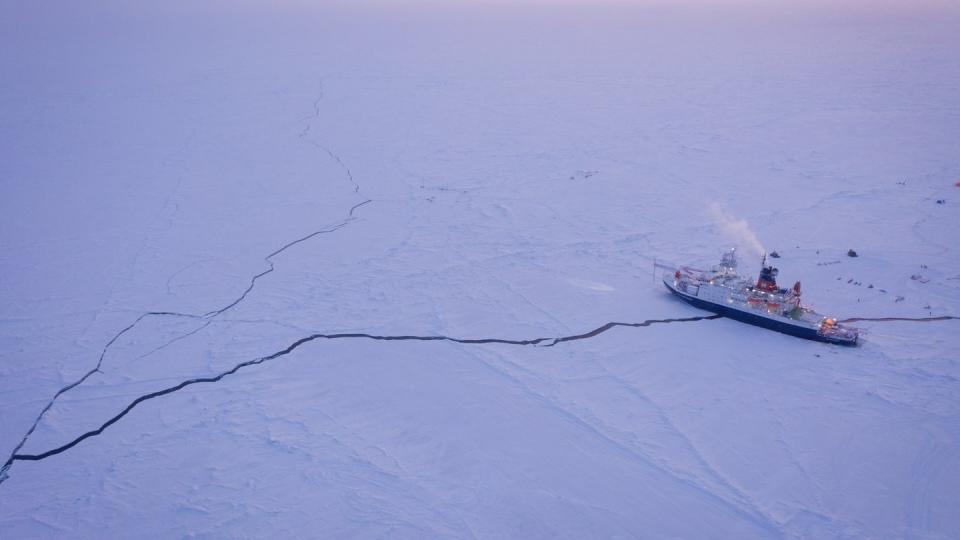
(192,173)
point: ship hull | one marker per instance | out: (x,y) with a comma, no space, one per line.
(757,320)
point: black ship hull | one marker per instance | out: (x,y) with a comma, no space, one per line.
(758,320)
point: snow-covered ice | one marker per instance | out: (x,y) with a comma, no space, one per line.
(292,186)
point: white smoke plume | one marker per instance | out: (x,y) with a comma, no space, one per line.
(736,230)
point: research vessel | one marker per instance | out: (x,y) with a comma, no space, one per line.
(761,303)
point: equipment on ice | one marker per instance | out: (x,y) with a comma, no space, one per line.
(721,290)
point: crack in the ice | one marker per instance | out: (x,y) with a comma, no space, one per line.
(210,316)
(335,157)
(545,341)
(893,319)
(269,258)
(78,382)
(207,318)
(303,136)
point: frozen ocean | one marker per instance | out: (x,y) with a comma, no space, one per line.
(385,269)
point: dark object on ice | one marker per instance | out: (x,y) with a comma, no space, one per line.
(721,290)
(941,201)
(870,286)
(774,255)
(898,299)
(852,253)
